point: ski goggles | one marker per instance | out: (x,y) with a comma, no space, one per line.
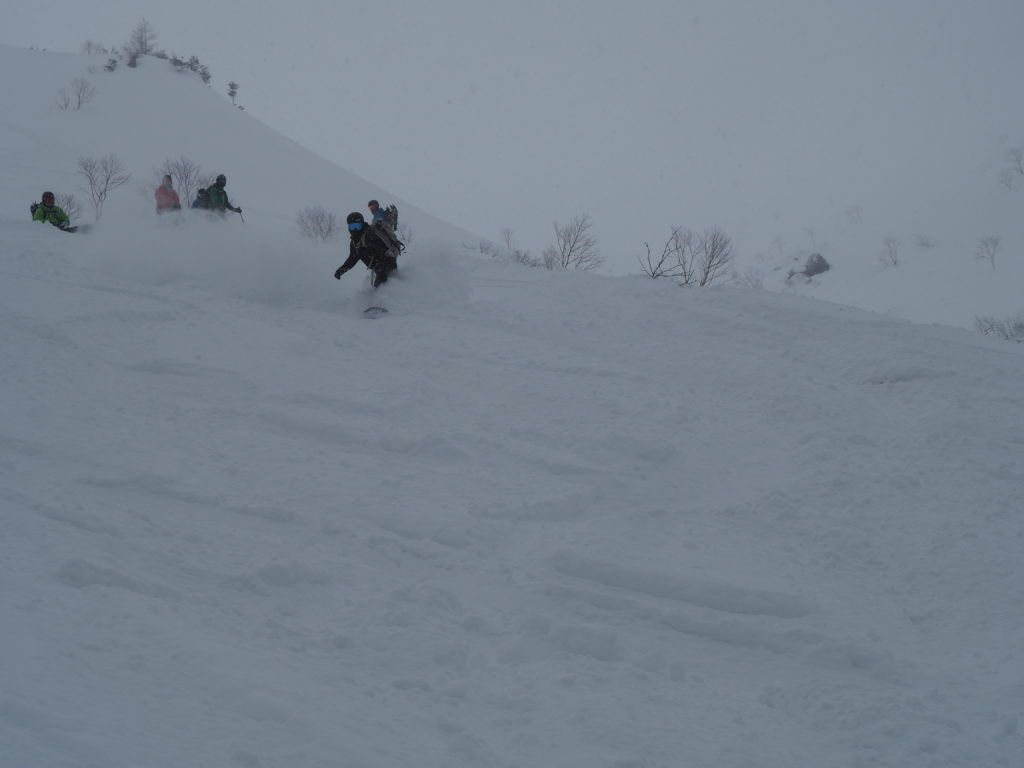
(355,226)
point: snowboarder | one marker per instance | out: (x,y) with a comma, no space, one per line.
(218,196)
(166,198)
(49,211)
(371,245)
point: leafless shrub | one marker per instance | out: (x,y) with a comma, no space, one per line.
(317,223)
(691,259)
(575,247)
(1009,329)
(1015,157)
(672,260)
(987,249)
(487,248)
(191,65)
(67,201)
(716,256)
(404,233)
(891,252)
(63,100)
(101,177)
(751,277)
(1014,167)
(512,252)
(186,175)
(90,48)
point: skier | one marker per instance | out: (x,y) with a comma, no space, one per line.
(166,198)
(218,196)
(202,201)
(49,211)
(371,245)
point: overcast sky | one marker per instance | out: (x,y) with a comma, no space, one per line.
(765,118)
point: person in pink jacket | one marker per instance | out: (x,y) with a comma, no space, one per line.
(166,197)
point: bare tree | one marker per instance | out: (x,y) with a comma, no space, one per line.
(891,253)
(574,248)
(101,177)
(233,91)
(987,249)
(187,176)
(83,92)
(70,205)
(141,42)
(317,223)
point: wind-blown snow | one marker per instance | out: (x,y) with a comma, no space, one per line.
(525,519)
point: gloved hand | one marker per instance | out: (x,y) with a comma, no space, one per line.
(339,272)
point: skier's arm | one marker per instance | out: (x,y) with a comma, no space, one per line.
(349,263)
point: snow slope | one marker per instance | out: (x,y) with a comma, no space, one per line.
(526,519)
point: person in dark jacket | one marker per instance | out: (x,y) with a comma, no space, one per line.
(218,196)
(48,210)
(370,247)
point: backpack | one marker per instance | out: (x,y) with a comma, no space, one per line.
(202,200)
(388,237)
(391,216)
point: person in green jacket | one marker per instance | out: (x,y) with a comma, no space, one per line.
(49,211)
(218,197)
